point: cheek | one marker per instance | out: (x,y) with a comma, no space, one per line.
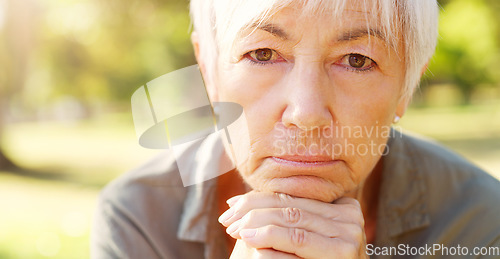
(255,89)
(366,100)
(366,107)
(246,84)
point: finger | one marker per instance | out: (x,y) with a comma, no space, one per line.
(273,254)
(344,211)
(243,250)
(300,242)
(347,200)
(290,218)
(233,200)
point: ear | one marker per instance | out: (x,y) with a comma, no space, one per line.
(200,58)
(196,45)
(424,69)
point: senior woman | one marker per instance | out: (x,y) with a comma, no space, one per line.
(319,172)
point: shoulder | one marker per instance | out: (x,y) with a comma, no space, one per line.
(445,170)
(432,156)
(138,211)
(153,179)
(463,201)
(152,190)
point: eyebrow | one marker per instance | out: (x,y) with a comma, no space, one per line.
(362,33)
(271,28)
(351,35)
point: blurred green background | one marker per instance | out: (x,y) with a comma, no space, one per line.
(69,67)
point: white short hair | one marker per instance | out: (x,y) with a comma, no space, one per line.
(217,23)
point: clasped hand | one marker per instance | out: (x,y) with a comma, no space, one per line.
(270,225)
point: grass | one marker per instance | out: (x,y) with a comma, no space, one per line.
(42,218)
(87,152)
(472,131)
(47,208)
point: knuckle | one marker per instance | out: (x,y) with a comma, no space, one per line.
(291,215)
(298,237)
(333,215)
(267,230)
(283,199)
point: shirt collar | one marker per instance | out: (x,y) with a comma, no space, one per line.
(198,221)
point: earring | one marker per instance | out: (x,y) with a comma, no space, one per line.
(396,119)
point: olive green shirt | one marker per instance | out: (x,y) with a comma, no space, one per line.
(429,196)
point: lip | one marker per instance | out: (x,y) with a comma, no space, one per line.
(304,161)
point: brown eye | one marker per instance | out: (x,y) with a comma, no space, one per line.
(263,54)
(357,60)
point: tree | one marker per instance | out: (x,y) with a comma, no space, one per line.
(18,40)
(468,43)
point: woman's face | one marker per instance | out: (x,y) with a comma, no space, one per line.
(318,96)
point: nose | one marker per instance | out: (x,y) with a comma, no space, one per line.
(309,96)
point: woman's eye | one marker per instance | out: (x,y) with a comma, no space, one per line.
(357,62)
(263,55)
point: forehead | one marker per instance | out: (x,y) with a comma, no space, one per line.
(243,17)
(289,23)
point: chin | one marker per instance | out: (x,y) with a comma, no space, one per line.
(309,187)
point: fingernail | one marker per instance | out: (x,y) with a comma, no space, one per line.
(248,233)
(233,200)
(231,229)
(226,215)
